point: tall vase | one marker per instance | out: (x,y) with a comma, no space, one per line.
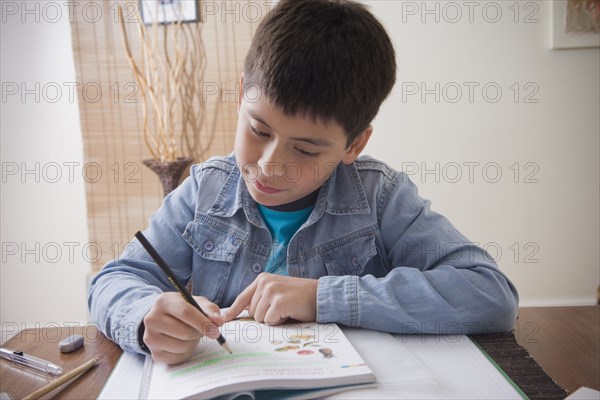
(169,172)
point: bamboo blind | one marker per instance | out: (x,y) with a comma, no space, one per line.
(121,192)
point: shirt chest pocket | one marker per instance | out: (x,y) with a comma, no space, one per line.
(216,252)
(349,257)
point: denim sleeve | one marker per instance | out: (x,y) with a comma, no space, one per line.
(126,288)
(438,282)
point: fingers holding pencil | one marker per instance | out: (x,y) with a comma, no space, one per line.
(74,374)
(180,288)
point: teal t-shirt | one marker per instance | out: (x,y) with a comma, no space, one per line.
(282,225)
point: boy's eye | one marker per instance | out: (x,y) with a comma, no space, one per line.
(257,132)
(307,153)
(262,134)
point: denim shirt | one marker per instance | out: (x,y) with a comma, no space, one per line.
(383,258)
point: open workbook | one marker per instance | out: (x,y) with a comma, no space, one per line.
(307,356)
(406,367)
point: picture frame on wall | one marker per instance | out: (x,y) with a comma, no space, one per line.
(575,24)
(168,11)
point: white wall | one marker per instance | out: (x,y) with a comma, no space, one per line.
(542,224)
(44,229)
(553,221)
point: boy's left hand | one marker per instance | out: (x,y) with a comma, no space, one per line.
(274,298)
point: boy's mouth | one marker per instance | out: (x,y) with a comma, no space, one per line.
(265,189)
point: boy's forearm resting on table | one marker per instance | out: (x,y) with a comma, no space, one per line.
(438,282)
(443,301)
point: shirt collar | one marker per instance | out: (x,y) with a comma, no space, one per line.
(343,193)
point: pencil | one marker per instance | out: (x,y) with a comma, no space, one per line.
(175,282)
(76,373)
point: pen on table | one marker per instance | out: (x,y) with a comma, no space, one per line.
(18,357)
(76,373)
(171,276)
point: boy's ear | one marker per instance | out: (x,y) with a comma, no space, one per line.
(357,145)
(241,93)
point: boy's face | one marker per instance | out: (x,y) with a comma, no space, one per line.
(284,158)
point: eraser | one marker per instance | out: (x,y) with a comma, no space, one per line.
(71,343)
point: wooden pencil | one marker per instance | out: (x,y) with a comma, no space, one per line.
(77,372)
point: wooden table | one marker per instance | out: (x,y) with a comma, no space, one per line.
(564,341)
(20,381)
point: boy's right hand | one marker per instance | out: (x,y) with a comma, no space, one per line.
(174,327)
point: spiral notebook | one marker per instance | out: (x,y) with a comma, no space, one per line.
(304,359)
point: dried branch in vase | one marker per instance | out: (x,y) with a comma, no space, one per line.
(169,75)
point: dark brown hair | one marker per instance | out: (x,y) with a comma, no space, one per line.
(331,60)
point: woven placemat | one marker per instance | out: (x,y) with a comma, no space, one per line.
(518,364)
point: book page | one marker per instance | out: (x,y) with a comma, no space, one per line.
(119,386)
(300,355)
(444,367)
(460,367)
(400,373)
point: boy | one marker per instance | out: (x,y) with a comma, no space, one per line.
(294,224)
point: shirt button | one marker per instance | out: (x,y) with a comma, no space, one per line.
(209,245)
(257,268)
(355,261)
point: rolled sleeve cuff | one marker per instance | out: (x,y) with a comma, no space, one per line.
(337,300)
(128,336)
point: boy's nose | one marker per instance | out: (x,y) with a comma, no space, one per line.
(272,162)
